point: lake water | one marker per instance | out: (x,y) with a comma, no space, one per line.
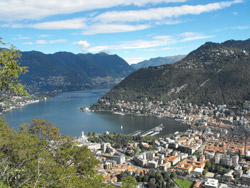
(63,111)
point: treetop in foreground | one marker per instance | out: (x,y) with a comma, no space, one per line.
(10,70)
(37,155)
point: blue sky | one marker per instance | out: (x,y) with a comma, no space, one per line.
(134,29)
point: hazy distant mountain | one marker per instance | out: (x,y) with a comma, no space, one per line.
(158,61)
(67,71)
(216,73)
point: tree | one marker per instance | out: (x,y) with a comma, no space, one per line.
(173,175)
(38,156)
(145,178)
(129,182)
(10,70)
(151,185)
(89,134)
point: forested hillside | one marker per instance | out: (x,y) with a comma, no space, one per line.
(215,73)
(64,71)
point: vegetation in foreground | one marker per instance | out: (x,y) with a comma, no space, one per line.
(38,156)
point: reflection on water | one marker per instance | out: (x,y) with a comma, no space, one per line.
(63,111)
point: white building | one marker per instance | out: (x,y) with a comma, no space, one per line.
(152,164)
(217,158)
(223,186)
(83,141)
(226,160)
(235,160)
(165,166)
(197,171)
(209,154)
(120,159)
(212,183)
(150,155)
(229,175)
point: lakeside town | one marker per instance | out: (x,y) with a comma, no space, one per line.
(18,102)
(214,152)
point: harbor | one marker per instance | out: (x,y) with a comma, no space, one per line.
(152,132)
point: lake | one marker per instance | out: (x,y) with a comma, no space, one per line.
(63,111)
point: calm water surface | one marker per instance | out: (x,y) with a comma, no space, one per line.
(63,111)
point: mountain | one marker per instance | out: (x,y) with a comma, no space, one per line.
(65,71)
(158,61)
(214,73)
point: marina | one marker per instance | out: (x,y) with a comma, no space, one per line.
(152,132)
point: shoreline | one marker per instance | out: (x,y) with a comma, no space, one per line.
(183,121)
(20,105)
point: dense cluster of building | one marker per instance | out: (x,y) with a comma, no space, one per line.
(216,135)
(185,112)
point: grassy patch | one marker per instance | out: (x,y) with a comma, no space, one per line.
(183,183)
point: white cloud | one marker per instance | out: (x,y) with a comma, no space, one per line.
(21,38)
(243,27)
(162,12)
(51,41)
(27,43)
(110,22)
(83,44)
(190,36)
(76,23)
(57,41)
(157,41)
(173,48)
(43,36)
(113,28)
(11,10)
(196,38)
(169,22)
(41,42)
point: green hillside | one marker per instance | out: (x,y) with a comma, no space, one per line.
(215,73)
(64,71)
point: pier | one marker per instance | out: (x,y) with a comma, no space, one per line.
(152,132)
(136,133)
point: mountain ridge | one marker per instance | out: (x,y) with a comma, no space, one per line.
(158,61)
(213,73)
(66,71)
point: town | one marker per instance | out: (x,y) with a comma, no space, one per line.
(214,152)
(18,102)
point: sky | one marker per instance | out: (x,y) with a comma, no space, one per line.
(133,29)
